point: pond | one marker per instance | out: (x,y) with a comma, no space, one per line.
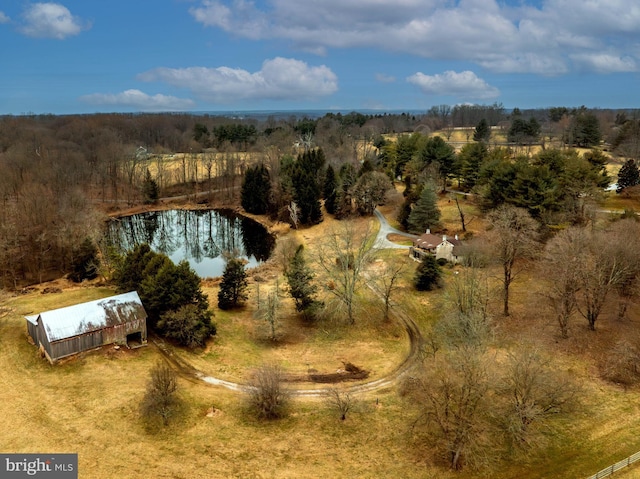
(200,237)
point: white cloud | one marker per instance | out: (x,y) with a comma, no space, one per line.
(279,79)
(464,85)
(604,63)
(532,37)
(51,20)
(382,78)
(140,100)
(4,18)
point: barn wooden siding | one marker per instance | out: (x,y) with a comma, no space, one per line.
(112,335)
(68,331)
(32,329)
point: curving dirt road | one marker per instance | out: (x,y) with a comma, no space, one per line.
(414,336)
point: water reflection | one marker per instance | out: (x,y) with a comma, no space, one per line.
(199,236)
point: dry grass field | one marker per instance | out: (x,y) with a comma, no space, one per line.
(89,404)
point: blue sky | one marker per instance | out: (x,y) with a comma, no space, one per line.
(80,56)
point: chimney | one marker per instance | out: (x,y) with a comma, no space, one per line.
(444,237)
(456,237)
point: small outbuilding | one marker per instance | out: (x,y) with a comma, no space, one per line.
(66,331)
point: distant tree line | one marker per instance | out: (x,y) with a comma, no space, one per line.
(56,167)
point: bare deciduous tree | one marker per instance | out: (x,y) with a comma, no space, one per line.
(160,398)
(343,258)
(603,267)
(285,251)
(514,237)
(453,396)
(534,392)
(341,401)
(562,263)
(386,282)
(626,233)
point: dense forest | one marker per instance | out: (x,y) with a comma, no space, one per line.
(60,172)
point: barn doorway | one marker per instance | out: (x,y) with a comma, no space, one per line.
(134,340)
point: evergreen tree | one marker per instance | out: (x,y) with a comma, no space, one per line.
(300,277)
(470,160)
(165,290)
(233,288)
(150,190)
(348,178)
(586,129)
(256,189)
(330,190)
(403,214)
(427,274)
(629,175)
(425,213)
(129,272)
(438,152)
(406,147)
(482,131)
(408,186)
(85,262)
(168,287)
(306,183)
(524,132)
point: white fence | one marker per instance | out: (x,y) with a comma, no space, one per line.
(607,471)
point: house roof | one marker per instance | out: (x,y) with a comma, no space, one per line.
(84,318)
(427,241)
(454,241)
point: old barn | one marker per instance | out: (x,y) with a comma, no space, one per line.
(62,332)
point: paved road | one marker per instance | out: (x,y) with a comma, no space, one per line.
(385,230)
(414,336)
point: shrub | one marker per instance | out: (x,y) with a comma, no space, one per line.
(190,325)
(267,397)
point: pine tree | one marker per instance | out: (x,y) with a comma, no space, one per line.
(470,160)
(629,175)
(425,213)
(403,214)
(306,183)
(299,277)
(438,152)
(428,274)
(150,190)
(171,294)
(256,189)
(348,178)
(233,288)
(482,131)
(329,190)
(85,262)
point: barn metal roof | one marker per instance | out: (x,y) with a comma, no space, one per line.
(84,318)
